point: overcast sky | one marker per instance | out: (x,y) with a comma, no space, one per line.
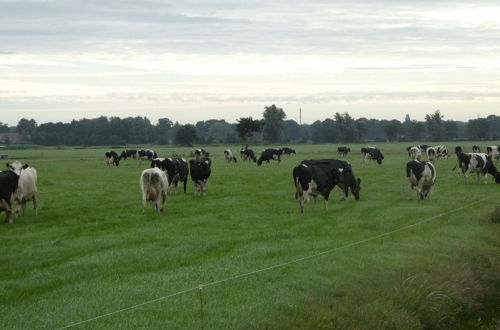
(196,60)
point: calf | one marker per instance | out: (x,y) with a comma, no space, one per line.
(270,154)
(8,186)
(229,157)
(112,158)
(200,173)
(372,153)
(26,186)
(288,151)
(493,152)
(343,151)
(421,175)
(154,188)
(248,155)
(129,153)
(201,154)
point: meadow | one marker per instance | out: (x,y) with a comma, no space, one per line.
(92,260)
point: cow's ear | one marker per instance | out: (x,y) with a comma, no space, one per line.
(25,166)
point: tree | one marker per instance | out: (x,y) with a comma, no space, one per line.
(477,129)
(26,127)
(392,130)
(436,126)
(346,127)
(247,126)
(273,124)
(186,134)
(4,128)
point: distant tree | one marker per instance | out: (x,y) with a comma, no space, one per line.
(436,126)
(392,129)
(273,123)
(219,131)
(451,129)
(347,128)
(185,135)
(26,127)
(477,129)
(163,130)
(246,126)
(416,131)
(292,131)
(4,128)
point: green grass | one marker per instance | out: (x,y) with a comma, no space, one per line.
(91,251)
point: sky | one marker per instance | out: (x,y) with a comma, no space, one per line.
(195,60)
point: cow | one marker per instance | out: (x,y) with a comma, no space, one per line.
(414,153)
(154,188)
(343,151)
(421,175)
(476,149)
(200,173)
(493,152)
(201,154)
(288,151)
(8,186)
(431,154)
(479,163)
(441,151)
(129,153)
(423,147)
(372,153)
(112,158)
(177,171)
(229,157)
(26,186)
(269,154)
(248,155)
(344,175)
(147,154)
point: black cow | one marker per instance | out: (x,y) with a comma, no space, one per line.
(288,151)
(476,163)
(248,155)
(269,154)
(343,151)
(200,173)
(372,153)
(129,153)
(344,175)
(112,158)
(201,154)
(421,175)
(8,186)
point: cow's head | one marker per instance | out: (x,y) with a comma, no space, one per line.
(17,167)
(259,162)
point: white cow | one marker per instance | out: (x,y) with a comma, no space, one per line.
(26,188)
(154,187)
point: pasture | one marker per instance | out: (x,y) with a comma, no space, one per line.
(388,262)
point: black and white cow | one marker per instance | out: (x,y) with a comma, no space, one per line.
(479,163)
(493,152)
(421,175)
(270,154)
(343,151)
(343,173)
(129,153)
(414,152)
(431,154)
(147,154)
(176,169)
(8,186)
(26,186)
(200,173)
(441,151)
(288,151)
(201,154)
(112,158)
(248,155)
(229,156)
(476,149)
(372,153)
(423,147)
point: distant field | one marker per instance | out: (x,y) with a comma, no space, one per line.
(91,251)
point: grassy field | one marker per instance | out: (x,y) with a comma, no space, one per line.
(91,252)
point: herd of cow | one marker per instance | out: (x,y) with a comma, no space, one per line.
(311,178)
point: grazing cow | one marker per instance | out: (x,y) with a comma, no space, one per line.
(248,155)
(493,152)
(269,154)
(441,151)
(343,151)
(414,153)
(26,186)
(129,153)
(343,173)
(288,151)
(147,154)
(479,163)
(112,158)
(8,186)
(423,147)
(476,149)
(431,154)
(372,153)
(154,187)
(200,173)
(421,175)
(201,154)
(229,157)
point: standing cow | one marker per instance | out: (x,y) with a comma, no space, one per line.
(421,175)
(154,188)
(26,186)
(270,154)
(493,152)
(129,153)
(201,154)
(112,158)
(229,157)
(200,173)
(479,163)
(8,186)
(343,151)
(247,155)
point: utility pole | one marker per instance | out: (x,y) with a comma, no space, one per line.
(300,116)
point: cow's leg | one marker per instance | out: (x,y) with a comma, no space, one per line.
(410,190)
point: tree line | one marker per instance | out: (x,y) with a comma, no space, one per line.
(273,127)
